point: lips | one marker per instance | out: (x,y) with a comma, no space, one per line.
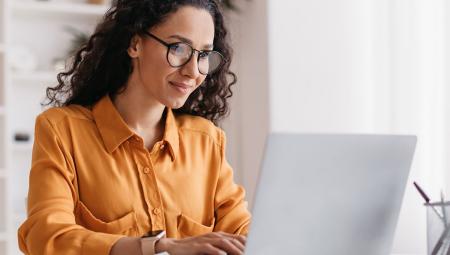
(181,87)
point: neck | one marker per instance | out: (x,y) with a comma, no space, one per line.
(142,114)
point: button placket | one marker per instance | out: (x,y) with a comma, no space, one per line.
(144,166)
(157,218)
(157,212)
(146,170)
(150,185)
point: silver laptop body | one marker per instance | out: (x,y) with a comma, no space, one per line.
(329,194)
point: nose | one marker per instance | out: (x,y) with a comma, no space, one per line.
(190,69)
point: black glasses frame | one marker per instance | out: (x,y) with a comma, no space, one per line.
(193,50)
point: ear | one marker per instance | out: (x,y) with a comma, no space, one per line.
(135,48)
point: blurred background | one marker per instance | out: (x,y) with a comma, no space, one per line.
(348,66)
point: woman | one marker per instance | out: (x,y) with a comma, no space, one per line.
(132,149)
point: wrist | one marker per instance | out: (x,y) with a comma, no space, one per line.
(149,241)
(163,244)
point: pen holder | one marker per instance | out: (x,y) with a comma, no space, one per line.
(438,228)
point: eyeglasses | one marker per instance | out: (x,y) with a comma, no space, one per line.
(180,53)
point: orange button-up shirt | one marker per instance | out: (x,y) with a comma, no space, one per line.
(92,181)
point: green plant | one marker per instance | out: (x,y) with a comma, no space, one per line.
(79,38)
(230,5)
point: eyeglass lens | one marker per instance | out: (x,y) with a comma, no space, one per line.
(180,53)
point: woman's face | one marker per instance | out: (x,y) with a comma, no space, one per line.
(152,75)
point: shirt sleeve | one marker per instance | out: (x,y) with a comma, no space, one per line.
(232,215)
(51,226)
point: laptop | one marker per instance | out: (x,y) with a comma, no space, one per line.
(329,194)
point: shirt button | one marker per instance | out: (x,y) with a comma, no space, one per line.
(156,211)
(146,170)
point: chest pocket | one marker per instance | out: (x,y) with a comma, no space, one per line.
(124,225)
(188,227)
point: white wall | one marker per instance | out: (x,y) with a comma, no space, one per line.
(320,65)
(248,124)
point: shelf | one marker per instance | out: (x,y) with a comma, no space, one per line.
(35,76)
(60,7)
(22,146)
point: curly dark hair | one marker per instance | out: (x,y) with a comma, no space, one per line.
(102,66)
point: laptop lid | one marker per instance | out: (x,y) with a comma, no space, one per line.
(329,194)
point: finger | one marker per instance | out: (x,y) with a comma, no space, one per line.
(238,244)
(241,238)
(226,245)
(209,249)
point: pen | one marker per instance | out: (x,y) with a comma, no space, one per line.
(444,213)
(422,193)
(427,201)
(440,242)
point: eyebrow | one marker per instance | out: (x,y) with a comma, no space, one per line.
(185,40)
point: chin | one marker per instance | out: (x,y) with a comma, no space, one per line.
(176,104)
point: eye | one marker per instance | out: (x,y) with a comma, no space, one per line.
(179,49)
(204,54)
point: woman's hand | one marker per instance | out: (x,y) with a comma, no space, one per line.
(215,243)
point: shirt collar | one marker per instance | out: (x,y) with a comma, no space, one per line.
(171,134)
(114,131)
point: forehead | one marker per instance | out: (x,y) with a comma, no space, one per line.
(189,22)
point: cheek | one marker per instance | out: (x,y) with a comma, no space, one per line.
(155,66)
(200,80)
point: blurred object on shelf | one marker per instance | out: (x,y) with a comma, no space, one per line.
(21,137)
(96,1)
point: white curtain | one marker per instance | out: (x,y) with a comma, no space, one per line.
(413,86)
(371,66)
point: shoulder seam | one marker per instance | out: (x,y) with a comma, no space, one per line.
(64,116)
(217,143)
